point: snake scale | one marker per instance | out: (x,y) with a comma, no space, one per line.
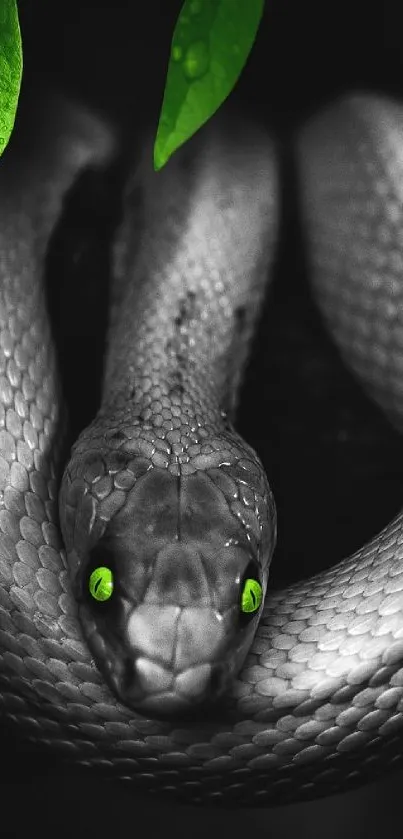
(317,704)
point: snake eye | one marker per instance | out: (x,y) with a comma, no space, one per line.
(251,596)
(100,583)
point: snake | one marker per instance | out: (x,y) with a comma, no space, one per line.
(139,636)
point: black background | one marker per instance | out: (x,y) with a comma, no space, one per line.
(335,466)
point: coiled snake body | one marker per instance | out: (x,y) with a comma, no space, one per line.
(162,489)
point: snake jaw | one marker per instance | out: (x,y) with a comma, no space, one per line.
(168,660)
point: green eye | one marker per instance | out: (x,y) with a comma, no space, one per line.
(252,595)
(101,583)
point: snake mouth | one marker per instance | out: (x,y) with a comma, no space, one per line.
(167,661)
(150,688)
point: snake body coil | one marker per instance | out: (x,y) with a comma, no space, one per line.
(318,702)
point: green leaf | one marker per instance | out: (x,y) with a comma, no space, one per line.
(210,45)
(10,68)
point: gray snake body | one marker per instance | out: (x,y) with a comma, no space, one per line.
(318,700)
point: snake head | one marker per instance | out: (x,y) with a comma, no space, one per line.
(169,590)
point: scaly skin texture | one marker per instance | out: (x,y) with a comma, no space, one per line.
(317,705)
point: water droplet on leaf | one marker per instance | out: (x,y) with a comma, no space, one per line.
(176,53)
(197,60)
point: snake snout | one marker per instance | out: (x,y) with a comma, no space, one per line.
(176,660)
